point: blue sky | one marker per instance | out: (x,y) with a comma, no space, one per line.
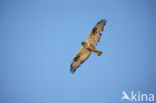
(39,38)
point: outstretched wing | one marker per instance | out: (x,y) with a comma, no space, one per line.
(95,35)
(79,58)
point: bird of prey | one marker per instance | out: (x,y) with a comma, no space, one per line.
(88,46)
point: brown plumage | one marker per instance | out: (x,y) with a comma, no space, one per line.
(88,46)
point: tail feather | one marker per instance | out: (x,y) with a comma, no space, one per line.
(98,53)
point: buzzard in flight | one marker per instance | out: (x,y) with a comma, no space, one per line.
(88,46)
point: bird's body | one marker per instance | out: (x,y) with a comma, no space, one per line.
(88,46)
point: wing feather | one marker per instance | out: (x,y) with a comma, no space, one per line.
(80,57)
(95,35)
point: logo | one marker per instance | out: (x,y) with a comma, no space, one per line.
(138,96)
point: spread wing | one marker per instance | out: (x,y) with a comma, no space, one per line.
(80,57)
(95,35)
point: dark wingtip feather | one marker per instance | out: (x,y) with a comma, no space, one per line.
(104,21)
(71,69)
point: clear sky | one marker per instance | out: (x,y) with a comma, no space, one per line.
(39,38)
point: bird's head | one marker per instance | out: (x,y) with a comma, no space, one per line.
(84,43)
